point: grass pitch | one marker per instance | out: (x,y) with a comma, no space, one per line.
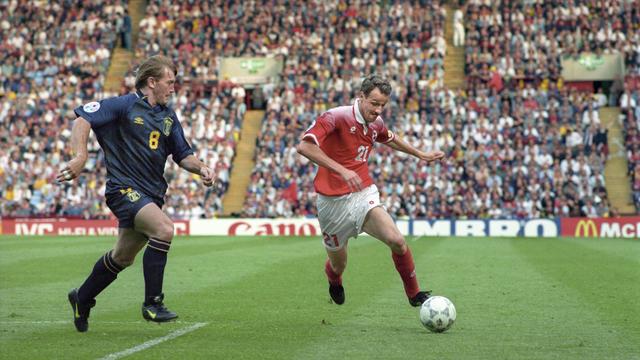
(266,298)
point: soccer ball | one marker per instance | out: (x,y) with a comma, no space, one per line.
(437,313)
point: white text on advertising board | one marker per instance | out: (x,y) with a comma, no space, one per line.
(509,228)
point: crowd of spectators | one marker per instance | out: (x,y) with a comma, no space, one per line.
(630,118)
(329,51)
(53,57)
(524,41)
(524,149)
(519,143)
(196,35)
(511,45)
(504,159)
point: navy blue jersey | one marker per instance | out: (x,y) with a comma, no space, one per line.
(136,139)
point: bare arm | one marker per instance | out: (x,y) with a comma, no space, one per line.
(79,138)
(315,154)
(193,165)
(400,145)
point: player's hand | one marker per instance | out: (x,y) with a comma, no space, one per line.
(432,156)
(72,170)
(352,179)
(207,175)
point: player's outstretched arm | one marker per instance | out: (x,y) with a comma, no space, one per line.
(193,165)
(315,154)
(400,145)
(79,138)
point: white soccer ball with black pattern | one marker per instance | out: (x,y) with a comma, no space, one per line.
(437,313)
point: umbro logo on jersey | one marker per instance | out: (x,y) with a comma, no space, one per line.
(138,120)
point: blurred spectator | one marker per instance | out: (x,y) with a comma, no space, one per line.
(458,28)
(125,31)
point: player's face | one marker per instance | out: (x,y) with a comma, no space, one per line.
(371,106)
(164,87)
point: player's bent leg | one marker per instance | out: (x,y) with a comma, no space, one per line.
(337,260)
(379,224)
(129,244)
(104,272)
(154,223)
(158,228)
(334,267)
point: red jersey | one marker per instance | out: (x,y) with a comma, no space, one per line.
(346,138)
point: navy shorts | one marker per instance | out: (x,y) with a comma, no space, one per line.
(126,203)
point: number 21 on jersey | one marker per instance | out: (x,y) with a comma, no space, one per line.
(362,153)
(330,240)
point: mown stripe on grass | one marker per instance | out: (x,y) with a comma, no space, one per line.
(597,289)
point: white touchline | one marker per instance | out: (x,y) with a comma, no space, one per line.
(154,342)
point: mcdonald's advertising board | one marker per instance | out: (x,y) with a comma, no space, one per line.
(623,227)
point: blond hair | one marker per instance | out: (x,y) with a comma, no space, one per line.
(153,67)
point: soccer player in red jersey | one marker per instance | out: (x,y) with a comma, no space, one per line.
(340,142)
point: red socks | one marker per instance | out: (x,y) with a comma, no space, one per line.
(407,270)
(404,264)
(334,279)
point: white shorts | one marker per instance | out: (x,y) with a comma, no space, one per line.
(342,217)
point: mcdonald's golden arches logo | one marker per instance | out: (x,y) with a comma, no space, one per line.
(586,228)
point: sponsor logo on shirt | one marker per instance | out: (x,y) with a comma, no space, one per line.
(138,120)
(352,130)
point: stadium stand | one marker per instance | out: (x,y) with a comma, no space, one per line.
(521,144)
(211,109)
(49,89)
(630,118)
(54,57)
(410,50)
(517,150)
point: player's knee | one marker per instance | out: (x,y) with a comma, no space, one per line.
(122,259)
(397,244)
(339,266)
(165,232)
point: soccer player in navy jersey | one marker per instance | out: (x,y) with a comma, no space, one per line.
(137,132)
